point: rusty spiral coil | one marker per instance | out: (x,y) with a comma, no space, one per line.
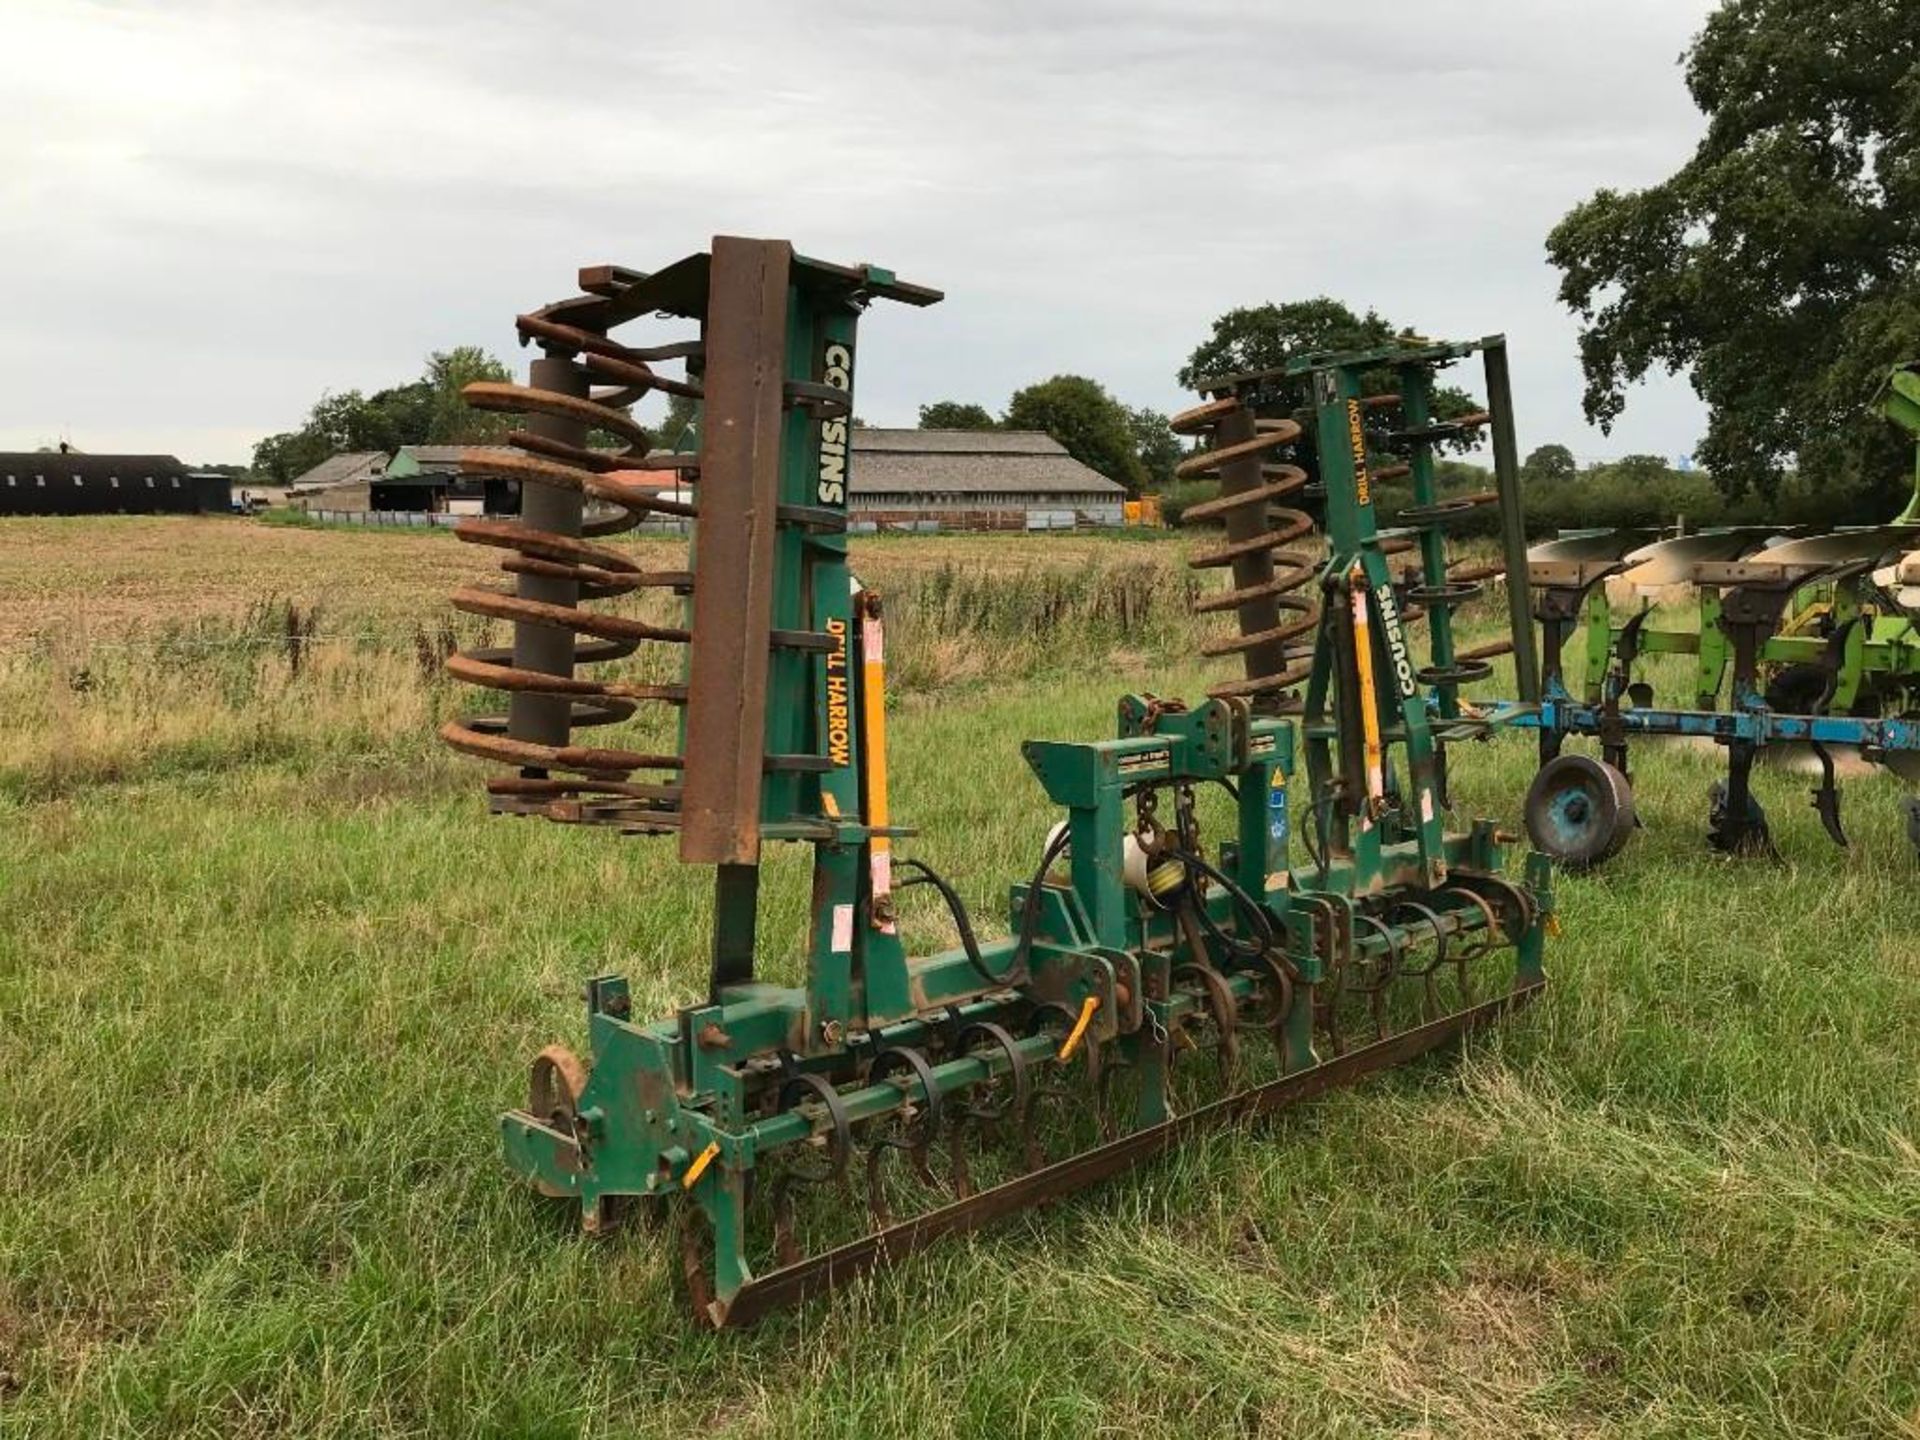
(1268,577)
(556,564)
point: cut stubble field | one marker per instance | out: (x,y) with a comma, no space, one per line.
(267,972)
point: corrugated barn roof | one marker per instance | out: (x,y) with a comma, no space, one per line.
(885,462)
(970,462)
(442,456)
(347,469)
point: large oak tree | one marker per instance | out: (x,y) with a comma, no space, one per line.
(1778,264)
(1269,336)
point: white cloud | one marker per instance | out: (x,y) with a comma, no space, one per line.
(211,211)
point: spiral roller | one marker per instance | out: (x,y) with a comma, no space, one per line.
(1268,576)
(572,497)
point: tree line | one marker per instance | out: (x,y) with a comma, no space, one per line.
(1635,492)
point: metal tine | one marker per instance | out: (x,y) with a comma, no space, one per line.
(785,1247)
(958,1178)
(801,1092)
(1274,1018)
(916,1130)
(1389,968)
(1430,994)
(877,1206)
(985,1115)
(1329,1014)
(922,1168)
(1031,1156)
(1057,1018)
(1222,1012)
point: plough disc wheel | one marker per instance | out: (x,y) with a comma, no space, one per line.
(1579,811)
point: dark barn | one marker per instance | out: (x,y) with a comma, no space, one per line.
(408,492)
(427,477)
(34,483)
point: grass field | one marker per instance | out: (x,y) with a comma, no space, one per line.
(267,972)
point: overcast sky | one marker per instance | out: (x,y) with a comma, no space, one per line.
(211,212)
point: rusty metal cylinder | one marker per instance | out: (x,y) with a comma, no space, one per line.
(545,719)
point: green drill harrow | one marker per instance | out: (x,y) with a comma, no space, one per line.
(1152,980)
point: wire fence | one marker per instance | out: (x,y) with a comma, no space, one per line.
(398,519)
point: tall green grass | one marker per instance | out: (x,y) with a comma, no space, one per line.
(257,1013)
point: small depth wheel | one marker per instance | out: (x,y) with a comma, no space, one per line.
(554,1088)
(1579,811)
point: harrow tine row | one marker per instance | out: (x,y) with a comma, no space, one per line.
(794,1282)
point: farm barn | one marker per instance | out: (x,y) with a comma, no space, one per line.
(69,483)
(343,481)
(974,480)
(421,479)
(427,477)
(899,479)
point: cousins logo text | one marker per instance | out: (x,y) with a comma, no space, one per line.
(838,372)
